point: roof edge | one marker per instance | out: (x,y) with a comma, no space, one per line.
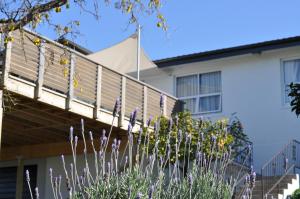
(229,52)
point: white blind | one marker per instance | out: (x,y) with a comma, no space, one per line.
(291,70)
(201,92)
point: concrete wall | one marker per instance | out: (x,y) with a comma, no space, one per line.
(252,87)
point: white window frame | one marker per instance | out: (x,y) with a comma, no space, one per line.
(200,95)
(283,85)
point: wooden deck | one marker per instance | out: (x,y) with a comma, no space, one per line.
(54,86)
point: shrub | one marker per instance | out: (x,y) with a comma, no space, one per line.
(168,158)
(296,194)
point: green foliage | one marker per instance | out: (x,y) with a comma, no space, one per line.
(296,194)
(201,133)
(295,95)
(167,163)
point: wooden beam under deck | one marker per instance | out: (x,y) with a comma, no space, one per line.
(52,149)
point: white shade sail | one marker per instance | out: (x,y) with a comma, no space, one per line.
(122,57)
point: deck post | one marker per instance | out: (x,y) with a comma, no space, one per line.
(145,103)
(165,105)
(71,83)
(7,61)
(123,101)
(41,71)
(20,178)
(98,92)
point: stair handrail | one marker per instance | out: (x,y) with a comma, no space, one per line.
(279,180)
(279,163)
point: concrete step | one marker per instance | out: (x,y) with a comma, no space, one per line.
(257,190)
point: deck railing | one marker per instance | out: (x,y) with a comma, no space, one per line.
(50,65)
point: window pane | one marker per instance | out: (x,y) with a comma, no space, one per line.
(210,82)
(190,105)
(186,86)
(209,103)
(291,71)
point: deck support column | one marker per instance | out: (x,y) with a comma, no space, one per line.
(20,178)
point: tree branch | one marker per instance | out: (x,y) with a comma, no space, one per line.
(37,9)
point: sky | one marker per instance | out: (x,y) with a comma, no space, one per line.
(194,25)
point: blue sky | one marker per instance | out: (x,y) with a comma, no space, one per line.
(194,25)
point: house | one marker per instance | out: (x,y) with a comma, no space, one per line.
(250,80)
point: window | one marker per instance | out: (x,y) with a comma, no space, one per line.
(291,73)
(201,93)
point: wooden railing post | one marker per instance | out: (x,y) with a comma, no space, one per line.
(123,102)
(41,70)
(98,92)
(71,84)
(145,104)
(165,105)
(7,61)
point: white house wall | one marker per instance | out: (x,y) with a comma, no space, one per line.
(252,87)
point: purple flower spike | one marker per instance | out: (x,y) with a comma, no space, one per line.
(27,176)
(170,124)
(71,133)
(91,136)
(149,121)
(161,102)
(117,107)
(150,192)
(129,129)
(176,120)
(133,117)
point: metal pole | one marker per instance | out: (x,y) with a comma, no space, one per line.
(138,51)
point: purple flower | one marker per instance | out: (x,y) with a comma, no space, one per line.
(117,107)
(37,195)
(179,135)
(176,120)
(129,129)
(82,125)
(190,179)
(91,136)
(50,172)
(170,124)
(150,192)
(161,102)
(71,133)
(138,195)
(148,122)
(133,117)
(27,176)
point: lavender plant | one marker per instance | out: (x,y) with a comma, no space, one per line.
(168,158)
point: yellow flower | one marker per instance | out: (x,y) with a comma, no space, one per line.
(64,61)
(58,9)
(9,39)
(37,41)
(221,143)
(66,72)
(75,83)
(66,29)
